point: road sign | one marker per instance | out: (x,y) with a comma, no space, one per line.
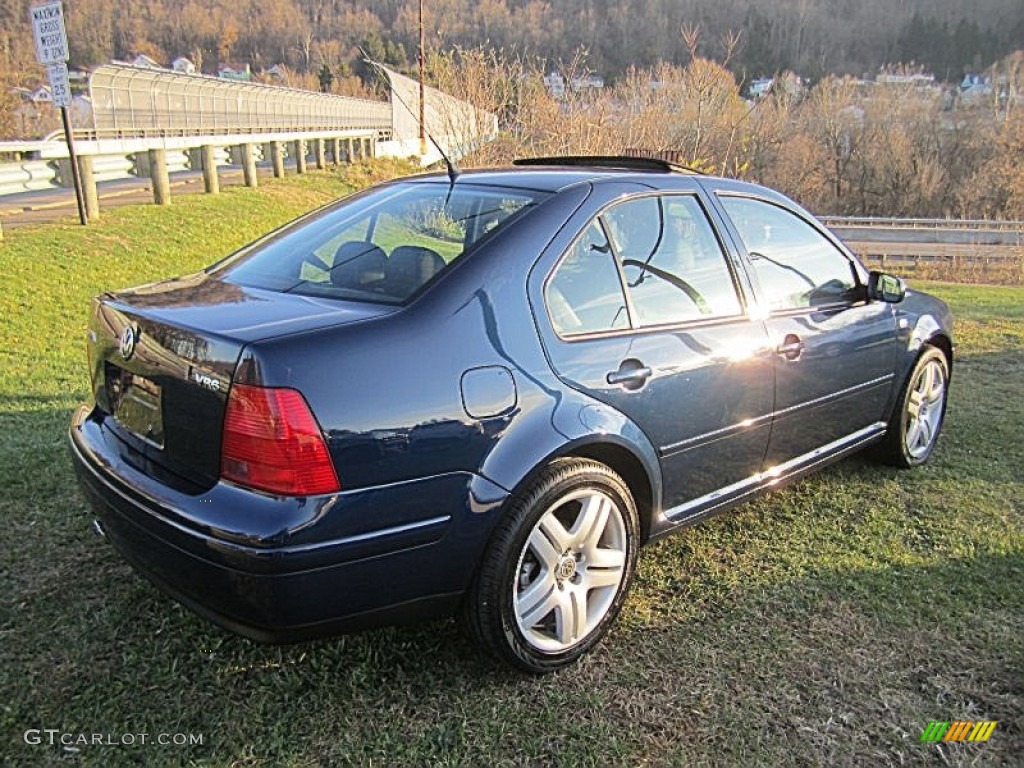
(59,86)
(51,38)
(52,51)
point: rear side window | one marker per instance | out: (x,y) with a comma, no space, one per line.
(674,268)
(796,265)
(585,294)
(645,262)
(382,246)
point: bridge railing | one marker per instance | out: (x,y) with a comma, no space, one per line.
(134,101)
(137,110)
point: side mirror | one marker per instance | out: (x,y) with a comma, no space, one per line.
(885,287)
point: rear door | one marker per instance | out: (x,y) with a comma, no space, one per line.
(646,312)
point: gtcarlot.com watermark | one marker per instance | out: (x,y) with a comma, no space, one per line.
(55,737)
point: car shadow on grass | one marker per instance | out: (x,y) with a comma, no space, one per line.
(838,666)
(777,662)
(826,622)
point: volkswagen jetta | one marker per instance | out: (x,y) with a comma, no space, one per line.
(481,395)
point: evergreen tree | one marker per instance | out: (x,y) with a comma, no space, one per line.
(326,78)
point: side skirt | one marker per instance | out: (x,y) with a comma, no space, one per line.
(724,498)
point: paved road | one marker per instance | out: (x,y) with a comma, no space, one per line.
(58,203)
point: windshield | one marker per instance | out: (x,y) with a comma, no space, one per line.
(382,246)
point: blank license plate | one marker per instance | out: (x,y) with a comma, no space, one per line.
(136,402)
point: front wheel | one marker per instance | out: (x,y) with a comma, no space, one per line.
(558,568)
(917,418)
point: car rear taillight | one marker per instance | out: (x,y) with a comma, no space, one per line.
(273,443)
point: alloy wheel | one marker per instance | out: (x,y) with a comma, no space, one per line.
(925,402)
(570,570)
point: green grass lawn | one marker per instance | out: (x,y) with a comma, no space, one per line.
(826,623)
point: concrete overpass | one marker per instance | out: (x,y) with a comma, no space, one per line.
(150,123)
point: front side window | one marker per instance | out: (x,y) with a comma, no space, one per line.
(382,246)
(796,265)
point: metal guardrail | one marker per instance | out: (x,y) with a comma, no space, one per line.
(986,249)
(915,259)
(950,232)
(1004,266)
(899,223)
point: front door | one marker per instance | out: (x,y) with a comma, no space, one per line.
(834,351)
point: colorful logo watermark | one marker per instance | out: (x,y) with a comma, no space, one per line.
(959,730)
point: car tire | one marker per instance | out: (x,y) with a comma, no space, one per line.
(917,418)
(557,569)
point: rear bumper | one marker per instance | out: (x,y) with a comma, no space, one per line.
(278,569)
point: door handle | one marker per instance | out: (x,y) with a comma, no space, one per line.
(791,347)
(631,374)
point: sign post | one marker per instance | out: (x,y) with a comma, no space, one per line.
(52,52)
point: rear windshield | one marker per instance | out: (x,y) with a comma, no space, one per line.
(382,246)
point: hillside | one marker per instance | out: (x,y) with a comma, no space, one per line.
(811,37)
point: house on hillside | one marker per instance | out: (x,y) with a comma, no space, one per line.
(760,87)
(909,77)
(40,95)
(787,84)
(589,82)
(234,71)
(913,79)
(975,88)
(558,87)
(35,116)
(183,65)
(142,60)
(555,84)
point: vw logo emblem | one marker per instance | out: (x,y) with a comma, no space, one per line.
(566,568)
(127,342)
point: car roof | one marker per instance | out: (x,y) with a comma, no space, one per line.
(554,178)
(551,174)
(545,179)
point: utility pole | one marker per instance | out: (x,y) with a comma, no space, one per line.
(423,124)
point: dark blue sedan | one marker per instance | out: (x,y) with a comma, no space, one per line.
(481,395)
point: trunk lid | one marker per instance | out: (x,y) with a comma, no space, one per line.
(162,358)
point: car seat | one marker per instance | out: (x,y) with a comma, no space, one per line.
(408,268)
(358,265)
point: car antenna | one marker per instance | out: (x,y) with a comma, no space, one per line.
(453,169)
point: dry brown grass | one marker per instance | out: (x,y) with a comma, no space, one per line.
(978,269)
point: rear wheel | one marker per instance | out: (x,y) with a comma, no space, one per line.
(917,418)
(558,567)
